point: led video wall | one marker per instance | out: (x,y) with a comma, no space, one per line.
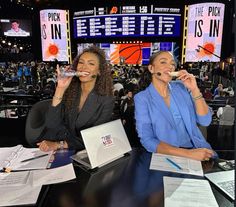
(132,53)
(204,32)
(55,35)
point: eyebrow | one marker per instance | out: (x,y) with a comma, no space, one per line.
(87,60)
(166,59)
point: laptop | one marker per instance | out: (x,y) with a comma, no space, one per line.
(103,144)
(224,180)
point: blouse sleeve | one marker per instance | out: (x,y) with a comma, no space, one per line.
(144,125)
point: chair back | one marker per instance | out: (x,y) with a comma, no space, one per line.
(35,122)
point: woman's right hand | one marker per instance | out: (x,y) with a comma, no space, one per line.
(201,154)
(63,82)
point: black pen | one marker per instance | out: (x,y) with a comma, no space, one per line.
(33,158)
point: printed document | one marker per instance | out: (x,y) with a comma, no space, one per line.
(54,175)
(22,188)
(14,178)
(19,195)
(12,157)
(179,192)
(184,165)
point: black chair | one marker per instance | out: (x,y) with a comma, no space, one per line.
(35,122)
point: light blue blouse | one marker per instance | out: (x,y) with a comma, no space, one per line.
(183,136)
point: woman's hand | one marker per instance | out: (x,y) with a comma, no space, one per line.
(188,80)
(48,145)
(201,154)
(63,82)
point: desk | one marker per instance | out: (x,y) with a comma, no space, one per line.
(127,182)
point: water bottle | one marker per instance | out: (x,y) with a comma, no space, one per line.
(69,73)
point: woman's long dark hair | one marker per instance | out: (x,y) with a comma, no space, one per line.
(103,85)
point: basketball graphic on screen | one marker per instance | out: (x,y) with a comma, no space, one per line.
(207,50)
(210,48)
(132,53)
(52,50)
(127,53)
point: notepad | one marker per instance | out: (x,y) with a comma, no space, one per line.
(176,164)
(11,157)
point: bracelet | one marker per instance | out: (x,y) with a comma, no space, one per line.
(61,145)
(197,97)
(57,98)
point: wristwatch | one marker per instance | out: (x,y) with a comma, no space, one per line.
(61,145)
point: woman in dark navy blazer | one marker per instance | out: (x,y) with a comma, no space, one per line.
(167,112)
(79,102)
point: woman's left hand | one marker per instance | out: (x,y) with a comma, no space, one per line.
(46,145)
(188,80)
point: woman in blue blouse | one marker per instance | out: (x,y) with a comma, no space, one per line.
(167,112)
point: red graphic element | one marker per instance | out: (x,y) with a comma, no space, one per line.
(130,53)
(114,10)
(53,49)
(209,48)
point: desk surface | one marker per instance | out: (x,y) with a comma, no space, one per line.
(127,182)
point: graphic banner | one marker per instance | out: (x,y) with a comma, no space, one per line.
(204,33)
(54,35)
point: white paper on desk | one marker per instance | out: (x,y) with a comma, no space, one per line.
(14,178)
(19,195)
(11,157)
(185,192)
(5,152)
(39,163)
(54,175)
(189,166)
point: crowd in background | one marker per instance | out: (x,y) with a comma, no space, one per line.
(38,76)
(38,79)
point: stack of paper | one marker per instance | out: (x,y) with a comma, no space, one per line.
(22,188)
(12,157)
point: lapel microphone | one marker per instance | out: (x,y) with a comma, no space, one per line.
(158,73)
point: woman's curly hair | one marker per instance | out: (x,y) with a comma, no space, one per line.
(103,85)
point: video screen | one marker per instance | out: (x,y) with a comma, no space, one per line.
(15,27)
(204,33)
(135,53)
(127,21)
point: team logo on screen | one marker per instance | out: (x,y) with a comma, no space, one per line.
(107,140)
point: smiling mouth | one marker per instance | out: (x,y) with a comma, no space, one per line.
(83,73)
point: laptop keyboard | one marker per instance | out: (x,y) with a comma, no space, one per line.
(85,159)
(228,186)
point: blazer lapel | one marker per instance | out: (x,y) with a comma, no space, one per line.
(90,107)
(160,105)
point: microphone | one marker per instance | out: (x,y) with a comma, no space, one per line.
(93,76)
(158,73)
